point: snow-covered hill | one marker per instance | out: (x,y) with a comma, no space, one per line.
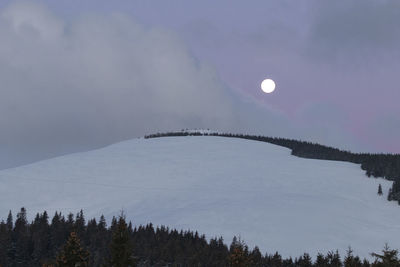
(218,186)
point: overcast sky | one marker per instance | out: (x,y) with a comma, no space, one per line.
(77,75)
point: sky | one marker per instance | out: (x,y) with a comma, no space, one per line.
(78,75)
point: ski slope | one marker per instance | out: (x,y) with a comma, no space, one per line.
(217,186)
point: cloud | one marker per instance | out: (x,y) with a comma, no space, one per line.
(358,31)
(386,129)
(97,80)
(85,82)
(327,123)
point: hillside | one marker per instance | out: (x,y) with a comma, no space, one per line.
(381,165)
(217,186)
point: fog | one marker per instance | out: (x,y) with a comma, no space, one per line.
(74,80)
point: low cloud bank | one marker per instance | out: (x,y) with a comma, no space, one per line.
(94,81)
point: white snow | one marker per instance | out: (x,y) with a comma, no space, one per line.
(218,186)
(199,131)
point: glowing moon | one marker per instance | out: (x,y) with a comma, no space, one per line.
(268,86)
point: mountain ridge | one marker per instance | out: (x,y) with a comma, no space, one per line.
(381,165)
(217,186)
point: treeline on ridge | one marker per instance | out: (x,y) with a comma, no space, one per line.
(386,166)
(71,241)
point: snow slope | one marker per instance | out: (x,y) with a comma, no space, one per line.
(218,186)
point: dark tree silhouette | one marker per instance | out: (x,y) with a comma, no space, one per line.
(73,254)
(121,245)
(387,258)
(380,190)
(239,254)
(352,261)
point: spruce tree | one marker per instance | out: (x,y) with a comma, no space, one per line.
(380,190)
(10,222)
(304,261)
(21,238)
(388,258)
(239,256)
(321,261)
(40,238)
(390,195)
(121,246)
(334,259)
(350,260)
(72,254)
(10,243)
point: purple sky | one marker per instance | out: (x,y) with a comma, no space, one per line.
(336,63)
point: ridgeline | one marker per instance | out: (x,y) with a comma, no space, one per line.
(386,166)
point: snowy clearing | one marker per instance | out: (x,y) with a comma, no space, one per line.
(217,186)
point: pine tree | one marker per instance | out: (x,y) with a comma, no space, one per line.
(256,257)
(380,190)
(40,238)
(10,222)
(388,258)
(304,261)
(121,246)
(350,260)
(321,261)
(390,195)
(21,238)
(10,243)
(80,225)
(366,263)
(239,256)
(334,258)
(72,254)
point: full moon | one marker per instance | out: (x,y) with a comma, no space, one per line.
(268,86)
